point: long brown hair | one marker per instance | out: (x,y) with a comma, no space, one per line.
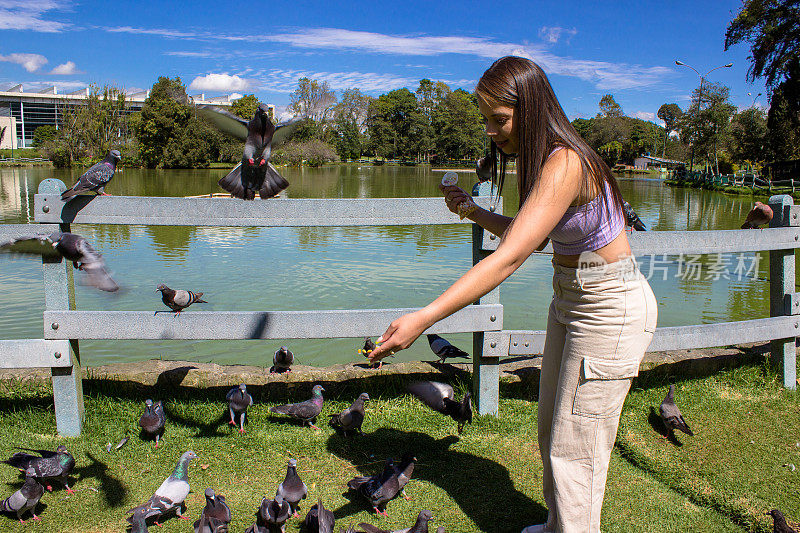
(542,126)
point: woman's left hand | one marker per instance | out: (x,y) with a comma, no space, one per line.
(399,335)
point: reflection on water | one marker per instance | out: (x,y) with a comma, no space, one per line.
(257,269)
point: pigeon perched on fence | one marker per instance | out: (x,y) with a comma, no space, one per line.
(71,247)
(420,526)
(759,215)
(306,411)
(282,360)
(254,174)
(292,489)
(631,218)
(238,402)
(26,498)
(96,178)
(779,524)
(671,414)
(214,514)
(440,397)
(47,465)
(153,419)
(381,488)
(271,516)
(319,519)
(351,418)
(180,299)
(170,495)
(444,350)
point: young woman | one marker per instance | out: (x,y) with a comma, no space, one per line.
(603,312)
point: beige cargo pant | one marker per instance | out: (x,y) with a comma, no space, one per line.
(600,322)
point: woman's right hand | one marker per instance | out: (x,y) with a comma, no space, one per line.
(453,196)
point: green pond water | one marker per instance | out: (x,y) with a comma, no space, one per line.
(258,269)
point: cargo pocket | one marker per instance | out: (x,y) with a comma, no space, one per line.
(602,386)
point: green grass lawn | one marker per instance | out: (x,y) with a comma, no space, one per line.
(723,479)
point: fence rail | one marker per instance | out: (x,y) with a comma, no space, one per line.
(64,326)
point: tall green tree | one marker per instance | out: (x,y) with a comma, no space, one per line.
(245,107)
(671,115)
(609,107)
(350,114)
(458,126)
(748,141)
(707,122)
(783,121)
(313,99)
(395,124)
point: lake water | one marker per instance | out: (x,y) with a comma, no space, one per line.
(258,269)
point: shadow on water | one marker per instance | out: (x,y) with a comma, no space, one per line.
(464,476)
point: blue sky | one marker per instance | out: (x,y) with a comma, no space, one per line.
(587,48)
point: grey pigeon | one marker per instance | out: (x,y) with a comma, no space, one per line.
(215,514)
(306,411)
(171,494)
(319,519)
(282,360)
(153,419)
(180,299)
(138,522)
(382,488)
(238,402)
(350,419)
(26,498)
(404,471)
(71,247)
(96,178)
(444,350)
(271,516)
(292,489)
(48,465)
(779,524)
(631,218)
(440,397)
(671,414)
(420,526)
(254,174)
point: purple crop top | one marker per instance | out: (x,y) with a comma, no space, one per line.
(588,227)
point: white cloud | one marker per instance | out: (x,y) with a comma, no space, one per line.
(189,54)
(65,69)
(551,34)
(30,62)
(644,115)
(285,81)
(221,83)
(174,34)
(27,15)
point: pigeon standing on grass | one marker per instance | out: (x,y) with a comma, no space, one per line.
(631,218)
(306,411)
(271,516)
(71,247)
(282,360)
(180,299)
(170,495)
(779,522)
(759,215)
(138,523)
(420,526)
(440,397)
(56,465)
(153,419)
(319,519)
(382,488)
(292,489)
(215,514)
(25,499)
(444,350)
(350,419)
(671,414)
(404,471)
(238,402)
(96,178)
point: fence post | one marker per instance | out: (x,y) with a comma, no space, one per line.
(59,294)
(782,289)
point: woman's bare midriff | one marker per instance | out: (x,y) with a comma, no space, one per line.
(611,252)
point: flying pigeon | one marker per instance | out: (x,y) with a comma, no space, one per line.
(282,360)
(671,414)
(319,519)
(153,419)
(631,218)
(420,526)
(255,174)
(48,465)
(351,418)
(444,350)
(404,471)
(180,299)
(440,397)
(170,495)
(292,489)
(96,178)
(238,402)
(271,516)
(381,488)
(306,411)
(70,246)
(760,214)
(214,514)
(26,498)
(779,522)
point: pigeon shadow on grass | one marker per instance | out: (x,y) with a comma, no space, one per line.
(112,489)
(475,483)
(204,429)
(658,425)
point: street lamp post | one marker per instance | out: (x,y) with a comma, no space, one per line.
(700,96)
(754,98)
